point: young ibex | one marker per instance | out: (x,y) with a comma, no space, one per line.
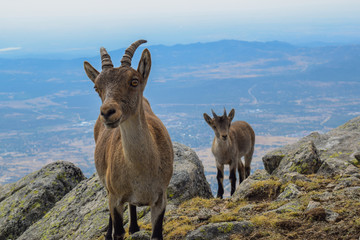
(231,142)
(133,152)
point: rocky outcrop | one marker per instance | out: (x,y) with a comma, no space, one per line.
(258,186)
(24,202)
(290,192)
(332,153)
(304,159)
(272,160)
(83,213)
(188,179)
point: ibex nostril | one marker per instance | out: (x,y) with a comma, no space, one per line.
(224,137)
(111,112)
(108,113)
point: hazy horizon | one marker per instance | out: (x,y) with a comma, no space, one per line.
(76,28)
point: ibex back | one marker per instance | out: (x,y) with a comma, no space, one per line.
(230,144)
(133,153)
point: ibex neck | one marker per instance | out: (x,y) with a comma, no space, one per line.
(222,151)
(136,138)
(223,144)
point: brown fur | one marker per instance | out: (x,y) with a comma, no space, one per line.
(133,153)
(230,144)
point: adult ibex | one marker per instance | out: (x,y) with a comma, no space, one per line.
(133,153)
(231,142)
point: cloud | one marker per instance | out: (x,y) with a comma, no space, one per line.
(9,49)
(32,103)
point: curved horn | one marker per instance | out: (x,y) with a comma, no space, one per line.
(129,53)
(105,59)
(214,114)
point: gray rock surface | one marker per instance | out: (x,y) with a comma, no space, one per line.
(293,177)
(272,160)
(323,197)
(221,231)
(141,235)
(331,216)
(24,202)
(312,205)
(257,187)
(350,193)
(81,214)
(333,166)
(347,182)
(290,192)
(303,159)
(293,206)
(188,179)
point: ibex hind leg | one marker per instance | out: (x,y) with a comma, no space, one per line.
(241,170)
(232,180)
(248,159)
(157,217)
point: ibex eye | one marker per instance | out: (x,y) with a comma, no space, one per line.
(134,82)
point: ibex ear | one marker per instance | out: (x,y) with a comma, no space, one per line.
(145,64)
(91,72)
(231,114)
(207,119)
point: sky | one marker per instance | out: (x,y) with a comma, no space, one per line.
(80,26)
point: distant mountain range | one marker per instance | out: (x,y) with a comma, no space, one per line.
(48,106)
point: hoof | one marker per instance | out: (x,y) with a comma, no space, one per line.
(133,230)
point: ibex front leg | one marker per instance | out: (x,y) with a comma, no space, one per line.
(220,179)
(108,235)
(116,219)
(157,217)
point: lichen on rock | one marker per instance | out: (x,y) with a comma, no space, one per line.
(81,214)
(303,159)
(221,230)
(29,199)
